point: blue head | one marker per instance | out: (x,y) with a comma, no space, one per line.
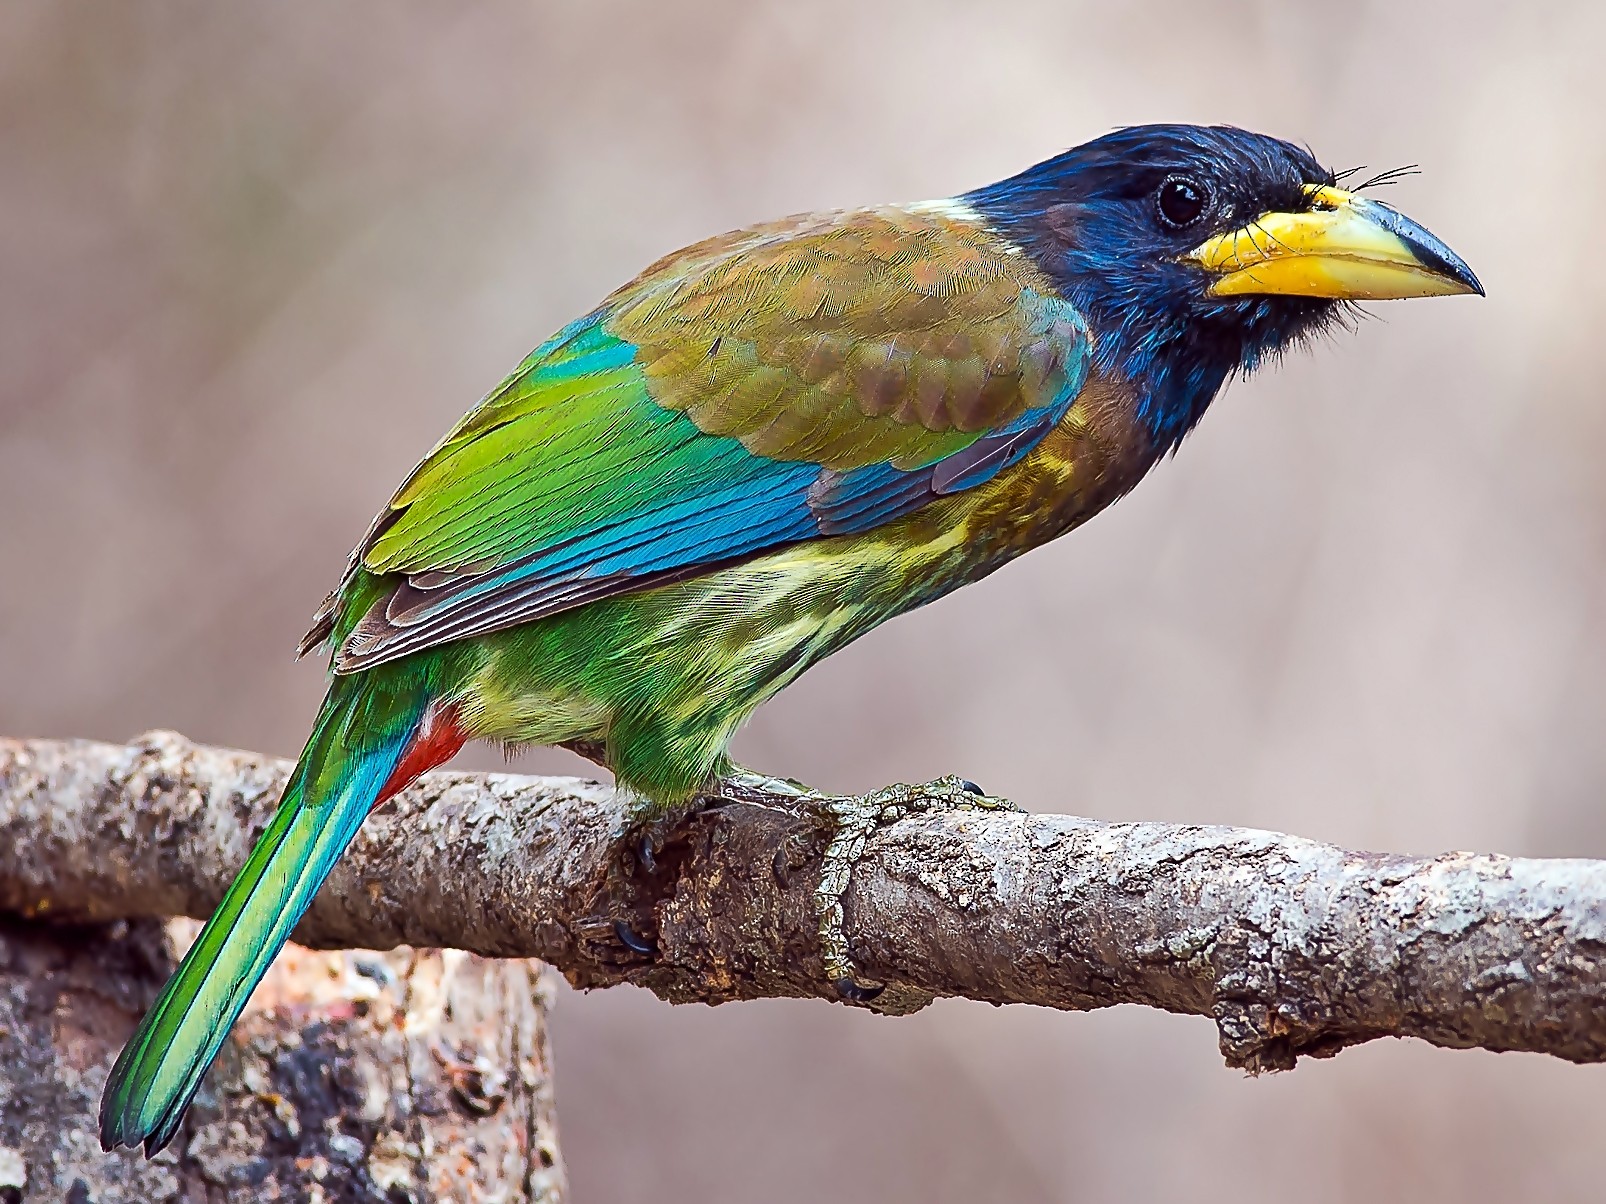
(1195,252)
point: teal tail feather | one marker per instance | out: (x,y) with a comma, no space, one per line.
(364,747)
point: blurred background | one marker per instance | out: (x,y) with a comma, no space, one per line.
(255,259)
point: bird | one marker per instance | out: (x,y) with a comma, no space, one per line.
(755,452)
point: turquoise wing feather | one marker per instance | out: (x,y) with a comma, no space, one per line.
(815,378)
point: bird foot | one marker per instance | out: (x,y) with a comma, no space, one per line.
(854,819)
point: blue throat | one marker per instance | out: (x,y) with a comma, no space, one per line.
(1175,378)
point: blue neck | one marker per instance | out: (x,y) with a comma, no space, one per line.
(1154,324)
(1140,336)
(1174,378)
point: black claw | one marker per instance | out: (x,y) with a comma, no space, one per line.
(970,787)
(644,855)
(632,940)
(852,992)
(781,867)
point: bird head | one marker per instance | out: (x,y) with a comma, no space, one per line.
(1196,252)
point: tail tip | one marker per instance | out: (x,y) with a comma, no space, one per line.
(123,1132)
(125,1123)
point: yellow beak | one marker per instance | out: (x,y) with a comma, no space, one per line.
(1344,247)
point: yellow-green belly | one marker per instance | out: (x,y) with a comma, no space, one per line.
(664,677)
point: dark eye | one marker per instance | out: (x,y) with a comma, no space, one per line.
(1181,201)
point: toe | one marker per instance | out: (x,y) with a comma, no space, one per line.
(633,940)
(853,992)
(644,854)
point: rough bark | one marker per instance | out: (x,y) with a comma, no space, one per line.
(1291,946)
(399,1076)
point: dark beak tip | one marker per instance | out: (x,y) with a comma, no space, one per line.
(1470,282)
(1447,263)
(1430,252)
(1440,259)
(1450,266)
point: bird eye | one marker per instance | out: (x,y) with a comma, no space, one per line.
(1181,201)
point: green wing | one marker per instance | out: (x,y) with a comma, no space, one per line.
(816,377)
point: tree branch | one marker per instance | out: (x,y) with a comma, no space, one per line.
(1291,946)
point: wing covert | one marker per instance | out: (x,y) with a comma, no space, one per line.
(816,377)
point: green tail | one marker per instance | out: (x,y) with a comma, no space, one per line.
(362,732)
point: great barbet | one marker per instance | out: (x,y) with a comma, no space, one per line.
(755,452)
